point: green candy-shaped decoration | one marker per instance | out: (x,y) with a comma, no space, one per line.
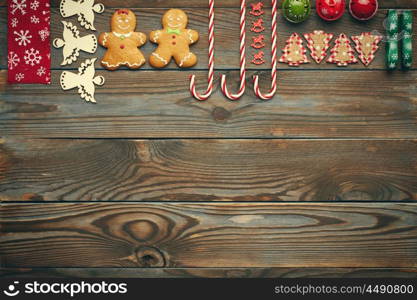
(296,11)
(392,53)
(407,41)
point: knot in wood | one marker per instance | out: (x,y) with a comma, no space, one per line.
(150,257)
(221,114)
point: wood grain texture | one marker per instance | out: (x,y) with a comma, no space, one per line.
(313,104)
(222,3)
(208,273)
(208,170)
(211,207)
(227,37)
(209,235)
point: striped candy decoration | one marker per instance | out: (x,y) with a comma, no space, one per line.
(274,61)
(242,87)
(209,91)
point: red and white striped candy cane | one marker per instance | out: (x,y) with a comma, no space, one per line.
(242,88)
(207,94)
(274,62)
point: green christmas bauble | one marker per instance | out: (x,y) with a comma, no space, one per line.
(296,11)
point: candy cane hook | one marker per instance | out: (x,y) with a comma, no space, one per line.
(274,62)
(207,94)
(242,88)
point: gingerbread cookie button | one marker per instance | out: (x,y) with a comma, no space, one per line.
(174,41)
(122,42)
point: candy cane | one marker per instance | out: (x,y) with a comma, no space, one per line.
(207,94)
(274,62)
(242,88)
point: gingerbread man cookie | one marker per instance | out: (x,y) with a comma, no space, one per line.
(174,41)
(122,43)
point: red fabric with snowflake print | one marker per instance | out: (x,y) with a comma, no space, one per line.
(29,52)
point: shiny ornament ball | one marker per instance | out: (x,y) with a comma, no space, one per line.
(330,10)
(363,9)
(296,11)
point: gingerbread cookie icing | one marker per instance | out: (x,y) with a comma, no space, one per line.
(122,42)
(174,41)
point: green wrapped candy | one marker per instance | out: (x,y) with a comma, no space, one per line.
(296,11)
(392,22)
(407,41)
(392,54)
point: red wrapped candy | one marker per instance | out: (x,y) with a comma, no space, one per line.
(331,10)
(363,9)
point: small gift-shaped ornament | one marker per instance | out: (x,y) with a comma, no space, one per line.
(342,54)
(367,45)
(294,52)
(318,43)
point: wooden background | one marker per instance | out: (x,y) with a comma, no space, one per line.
(320,181)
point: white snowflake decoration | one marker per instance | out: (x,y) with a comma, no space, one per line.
(23,37)
(393,26)
(41,71)
(19,5)
(32,57)
(12,60)
(34,5)
(44,34)
(34,19)
(14,22)
(19,76)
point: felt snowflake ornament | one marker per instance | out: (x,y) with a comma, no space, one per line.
(367,45)
(294,52)
(342,54)
(318,43)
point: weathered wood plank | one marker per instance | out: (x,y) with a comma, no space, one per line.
(227,33)
(207,170)
(222,3)
(209,273)
(308,104)
(209,235)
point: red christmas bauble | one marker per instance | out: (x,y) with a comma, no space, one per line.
(330,10)
(363,9)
